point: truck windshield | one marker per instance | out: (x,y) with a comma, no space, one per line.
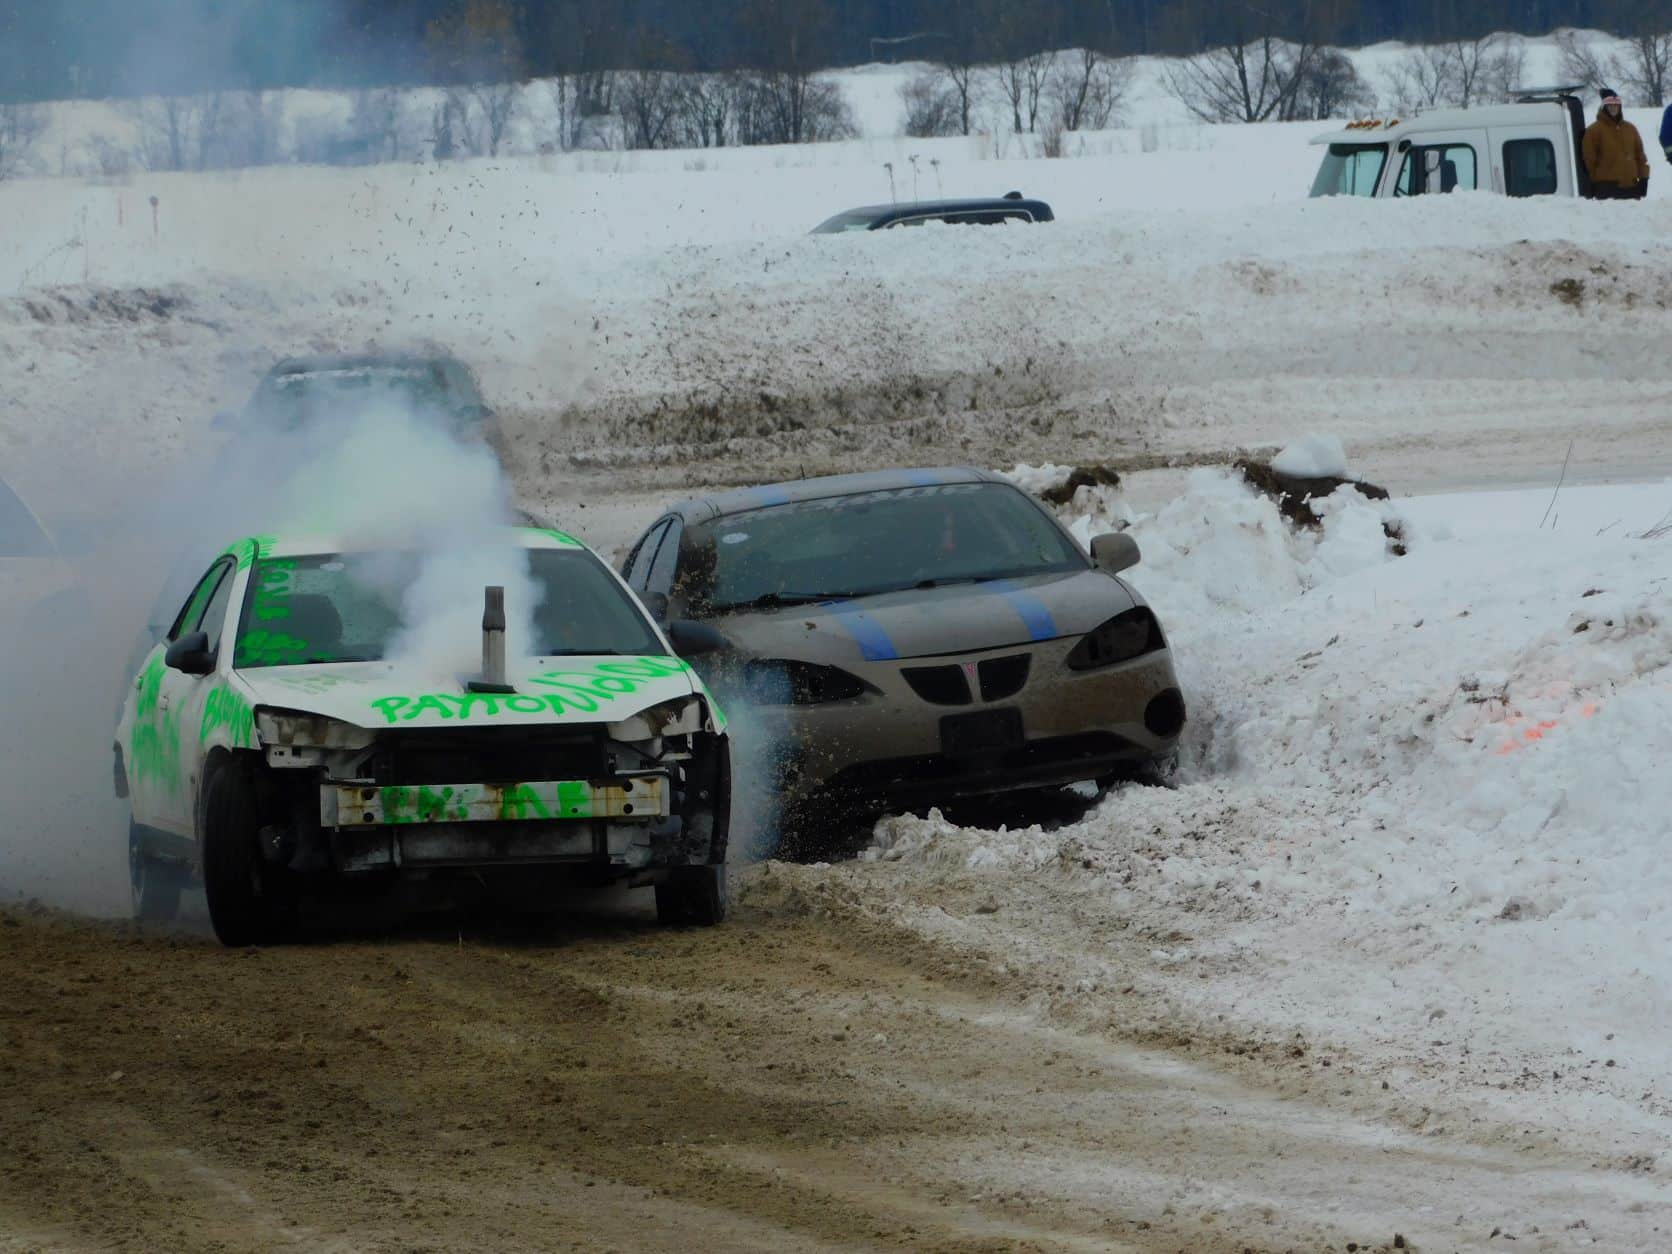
(1350,170)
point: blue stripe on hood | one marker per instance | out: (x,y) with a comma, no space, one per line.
(1035,616)
(873,640)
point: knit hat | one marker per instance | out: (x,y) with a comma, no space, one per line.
(1610,96)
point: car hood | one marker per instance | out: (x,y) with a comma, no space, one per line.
(602,689)
(925,622)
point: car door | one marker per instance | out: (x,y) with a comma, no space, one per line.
(1462,163)
(162,747)
(1526,161)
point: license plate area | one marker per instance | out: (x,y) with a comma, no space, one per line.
(984,732)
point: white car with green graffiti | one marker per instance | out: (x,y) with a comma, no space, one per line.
(286,739)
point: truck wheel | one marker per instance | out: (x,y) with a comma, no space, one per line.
(249,902)
(693,896)
(154,884)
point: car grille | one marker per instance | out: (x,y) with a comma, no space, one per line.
(1003,677)
(939,685)
(999,677)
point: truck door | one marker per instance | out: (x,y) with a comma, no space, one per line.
(1529,161)
(1444,161)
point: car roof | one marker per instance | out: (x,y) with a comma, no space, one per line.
(251,547)
(359,361)
(699,509)
(1477,118)
(917,208)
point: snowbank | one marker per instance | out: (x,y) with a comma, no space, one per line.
(1425,804)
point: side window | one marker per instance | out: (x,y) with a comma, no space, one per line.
(1529,167)
(214,614)
(660,578)
(643,554)
(1457,170)
(216,584)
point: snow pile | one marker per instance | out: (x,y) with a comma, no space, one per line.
(1313,457)
(1421,790)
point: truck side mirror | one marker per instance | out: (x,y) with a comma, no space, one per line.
(1431,170)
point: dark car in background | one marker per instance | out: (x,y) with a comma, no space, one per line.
(981,211)
(300,391)
(911,637)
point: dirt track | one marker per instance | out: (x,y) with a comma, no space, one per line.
(797,1079)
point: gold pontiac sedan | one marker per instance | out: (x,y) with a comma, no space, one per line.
(912,637)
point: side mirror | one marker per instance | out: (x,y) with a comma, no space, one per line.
(692,639)
(657,604)
(1114,551)
(190,654)
(1431,170)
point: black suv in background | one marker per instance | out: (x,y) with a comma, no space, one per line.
(981,211)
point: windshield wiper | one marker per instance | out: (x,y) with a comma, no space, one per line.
(949,580)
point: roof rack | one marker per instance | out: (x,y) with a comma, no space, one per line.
(1533,95)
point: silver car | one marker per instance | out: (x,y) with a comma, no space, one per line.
(912,637)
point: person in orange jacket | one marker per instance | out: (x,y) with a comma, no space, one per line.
(1613,152)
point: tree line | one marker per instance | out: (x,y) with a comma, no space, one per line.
(134,47)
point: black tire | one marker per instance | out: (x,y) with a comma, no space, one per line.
(154,885)
(249,902)
(693,897)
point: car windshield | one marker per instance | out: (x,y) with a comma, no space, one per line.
(873,542)
(20,534)
(290,400)
(1350,170)
(853,220)
(347,607)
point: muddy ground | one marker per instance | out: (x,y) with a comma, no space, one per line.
(806,1077)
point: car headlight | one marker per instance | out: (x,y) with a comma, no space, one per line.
(784,682)
(1125,636)
(300,730)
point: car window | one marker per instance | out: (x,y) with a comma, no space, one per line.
(843,222)
(20,534)
(192,613)
(1529,167)
(349,607)
(1350,170)
(660,576)
(644,553)
(873,542)
(1457,170)
(213,620)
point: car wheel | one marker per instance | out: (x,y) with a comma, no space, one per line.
(154,885)
(249,902)
(693,897)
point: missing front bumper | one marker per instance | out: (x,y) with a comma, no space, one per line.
(634,798)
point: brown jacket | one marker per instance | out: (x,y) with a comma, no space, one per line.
(1614,152)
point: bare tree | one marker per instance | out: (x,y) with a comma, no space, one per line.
(1256,81)
(1333,88)
(650,95)
(1584,63)
(782,99)
(1021,69)
(21,127)
(706,102)
(1484,67)
(178,132)
(1422,78)
(1086,89)
(1643,67)
(931,106)
(966,44)
(1021,81)
(477,47)
(251,129)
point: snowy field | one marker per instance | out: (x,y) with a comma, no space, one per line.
(1421,827)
